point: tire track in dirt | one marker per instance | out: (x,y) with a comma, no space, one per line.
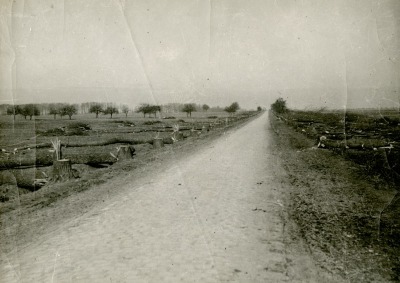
(214,216)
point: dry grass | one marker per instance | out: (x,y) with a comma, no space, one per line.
(337,208)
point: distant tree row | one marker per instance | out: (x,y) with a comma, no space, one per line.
(189,108)
(30,110)
(83,108)
(64,109)
(148,109)
(98,108)
(104,108)
(27,110)
(177,107)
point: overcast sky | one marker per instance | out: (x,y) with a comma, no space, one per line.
(317,53)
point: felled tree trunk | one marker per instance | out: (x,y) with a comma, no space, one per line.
(125,152)
(158,143)
(62,170)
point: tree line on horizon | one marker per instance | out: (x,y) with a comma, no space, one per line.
(60,109)
(65,109)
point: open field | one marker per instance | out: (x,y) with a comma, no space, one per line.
(350,214)
(89,143)
(33,133)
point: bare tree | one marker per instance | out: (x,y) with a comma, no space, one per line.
(96,108)
(53,110)
(125,110)
(189,108)
(69,110)
(29,110)
(110,110)
(143,108)
(154,109)
(14,110)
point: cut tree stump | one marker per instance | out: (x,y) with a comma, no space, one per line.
(158,143)
(125,152)
(55,157)
(204,129)
(168,140)
(178,136)
(62,170)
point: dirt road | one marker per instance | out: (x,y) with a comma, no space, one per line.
(213,216)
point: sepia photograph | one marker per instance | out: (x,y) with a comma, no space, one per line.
(199,141)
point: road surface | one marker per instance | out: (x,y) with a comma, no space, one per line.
(213,216)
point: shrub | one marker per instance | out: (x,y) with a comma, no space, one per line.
(232,108)
(351,117)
